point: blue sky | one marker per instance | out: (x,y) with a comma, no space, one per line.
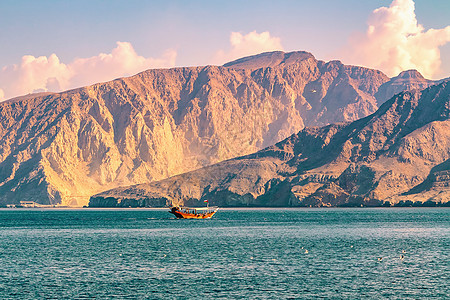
(197,32)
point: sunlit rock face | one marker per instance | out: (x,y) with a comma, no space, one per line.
(398,155)
(62,148)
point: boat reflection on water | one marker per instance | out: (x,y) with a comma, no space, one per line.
(194,212)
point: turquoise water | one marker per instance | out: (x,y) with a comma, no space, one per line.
(239,254)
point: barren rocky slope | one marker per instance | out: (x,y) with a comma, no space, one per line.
(399,153)
(65,147)
(435,187)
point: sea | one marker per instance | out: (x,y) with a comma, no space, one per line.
(327,253)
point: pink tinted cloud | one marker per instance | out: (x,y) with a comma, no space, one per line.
(43,73)
(122,61)
(248,44)
(394,42)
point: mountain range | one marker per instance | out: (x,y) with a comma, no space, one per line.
(61,148)
(398,154)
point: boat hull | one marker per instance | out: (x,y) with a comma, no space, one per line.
(183,214)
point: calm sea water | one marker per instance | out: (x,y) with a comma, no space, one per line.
(239,254)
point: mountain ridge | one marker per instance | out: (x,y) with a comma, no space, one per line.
(65,147)
(376,160)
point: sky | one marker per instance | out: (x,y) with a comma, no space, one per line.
(58,45)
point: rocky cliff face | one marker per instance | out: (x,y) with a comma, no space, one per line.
(435,187)
(407,80)
(64,147)
(399,153)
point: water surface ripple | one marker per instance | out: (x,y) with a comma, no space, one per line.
(239,254)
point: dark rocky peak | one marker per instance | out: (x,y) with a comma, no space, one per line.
(435,98)
(405,113)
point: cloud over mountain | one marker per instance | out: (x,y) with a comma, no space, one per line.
(247,44)
(395,41)
(43,73)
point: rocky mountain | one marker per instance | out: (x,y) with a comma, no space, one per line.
(406,80)
(65,147)
(399,153)
(435,187)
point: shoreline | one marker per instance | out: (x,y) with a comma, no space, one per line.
(221,208)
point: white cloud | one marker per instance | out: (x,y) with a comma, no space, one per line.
(249,44)
(50,74)
(122,61)
(394,42)
(32,74)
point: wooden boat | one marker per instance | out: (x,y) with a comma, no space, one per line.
(194,212)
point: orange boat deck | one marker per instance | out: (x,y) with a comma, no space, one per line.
(193,213)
